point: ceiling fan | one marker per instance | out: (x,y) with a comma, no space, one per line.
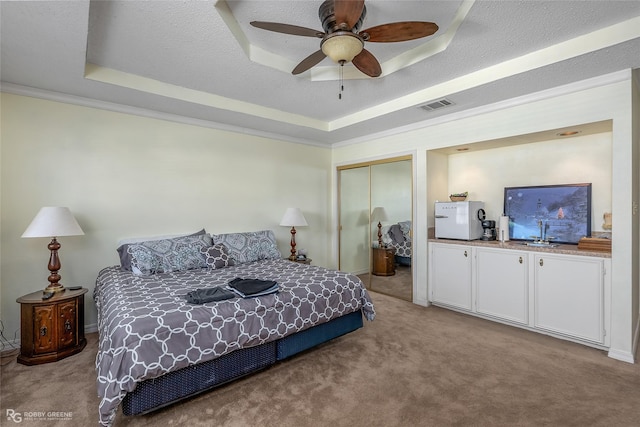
(342,40)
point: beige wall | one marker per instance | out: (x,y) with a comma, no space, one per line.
(580,159)
(124,176)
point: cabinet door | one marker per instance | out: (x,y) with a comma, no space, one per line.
(450,273)
(502,284)
(569,296)
(67,324)
(43,329)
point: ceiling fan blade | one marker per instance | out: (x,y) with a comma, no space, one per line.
(287,29)
(399,31)
(348,11)
(309,62)
(367,63)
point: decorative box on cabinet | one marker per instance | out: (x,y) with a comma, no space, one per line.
(51,329)
(384,261)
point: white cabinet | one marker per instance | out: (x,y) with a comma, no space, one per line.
(502,289)
(450,275)
(569,296)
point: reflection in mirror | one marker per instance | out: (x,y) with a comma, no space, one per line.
(376,198)
(391,195)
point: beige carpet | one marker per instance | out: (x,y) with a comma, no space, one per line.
(400,285)
(412,366)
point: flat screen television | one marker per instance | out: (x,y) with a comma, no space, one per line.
(557,213)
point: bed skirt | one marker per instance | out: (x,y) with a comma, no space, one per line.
(403,260)
(172,387)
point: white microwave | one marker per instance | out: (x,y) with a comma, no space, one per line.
(459,220)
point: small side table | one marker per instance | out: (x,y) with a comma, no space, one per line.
(51,329)
(384,261)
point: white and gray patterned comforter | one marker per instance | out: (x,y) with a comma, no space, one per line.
(147,328)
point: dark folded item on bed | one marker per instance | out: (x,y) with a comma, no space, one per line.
(248,288)
(202,296)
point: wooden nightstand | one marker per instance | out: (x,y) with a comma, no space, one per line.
(51,329)
(384,261)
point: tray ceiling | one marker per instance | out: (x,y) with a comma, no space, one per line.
(202,62)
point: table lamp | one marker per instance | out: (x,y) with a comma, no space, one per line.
(293,218)
(379,214)
(53,222)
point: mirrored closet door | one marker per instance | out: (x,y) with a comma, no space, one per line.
(375,238)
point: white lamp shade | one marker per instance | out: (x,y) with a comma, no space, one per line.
(293,218)
(379,214)
(53,222)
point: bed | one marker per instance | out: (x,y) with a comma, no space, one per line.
(155,348)
(398,236)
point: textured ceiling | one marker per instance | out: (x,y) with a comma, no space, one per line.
(202,61)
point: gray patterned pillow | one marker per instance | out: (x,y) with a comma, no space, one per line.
(123,249)
(217,256)
(249,246)
(166,255)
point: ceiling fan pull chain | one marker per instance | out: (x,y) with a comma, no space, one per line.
(341,80)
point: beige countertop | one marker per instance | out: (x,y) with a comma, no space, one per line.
(519,245)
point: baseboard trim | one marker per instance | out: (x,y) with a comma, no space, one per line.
(626,356)
(91,328)
(623,356)
(422,302)
(636,337)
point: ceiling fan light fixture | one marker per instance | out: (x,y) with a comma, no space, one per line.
(342,46)
(342,40)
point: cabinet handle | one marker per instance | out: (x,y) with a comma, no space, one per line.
(43,331)
(465,254)
(541,262)
(67,326)
(520,260)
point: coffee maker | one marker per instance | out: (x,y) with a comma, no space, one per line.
(488,229)
(488,226)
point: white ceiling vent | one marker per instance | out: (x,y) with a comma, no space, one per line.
(436,105)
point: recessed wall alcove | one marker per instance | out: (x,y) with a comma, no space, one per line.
(485,168)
